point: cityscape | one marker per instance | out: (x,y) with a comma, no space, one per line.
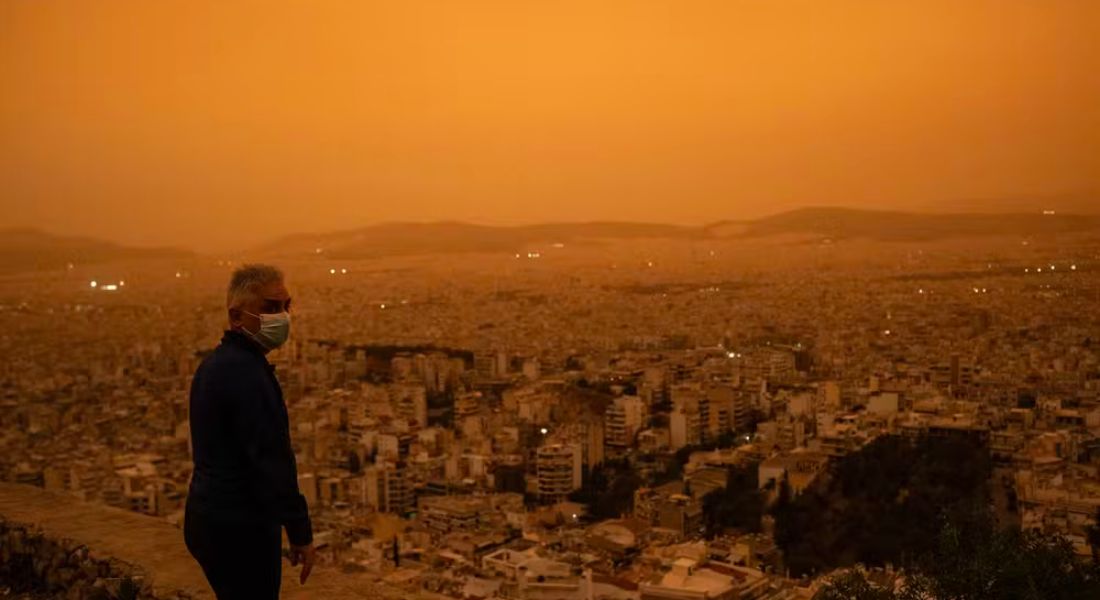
(631,418)
(530,300)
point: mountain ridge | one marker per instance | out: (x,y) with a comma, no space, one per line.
(824,222)
(29,249)
(840,223)
(406,238)
(24,248)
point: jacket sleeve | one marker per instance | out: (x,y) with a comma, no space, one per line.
(259,425)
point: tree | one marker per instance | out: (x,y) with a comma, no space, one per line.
(973,559)
(783,497)
(609,490)
(1093,537)
(127,589)
(877,505)
(854,585)
(737,506)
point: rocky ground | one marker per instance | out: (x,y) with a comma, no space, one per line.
(7,594)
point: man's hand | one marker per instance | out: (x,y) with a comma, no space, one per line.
(307,555)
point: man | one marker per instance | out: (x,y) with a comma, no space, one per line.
(244,488)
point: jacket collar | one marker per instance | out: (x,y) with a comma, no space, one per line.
(236,338)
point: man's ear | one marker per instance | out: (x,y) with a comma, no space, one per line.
(234,317)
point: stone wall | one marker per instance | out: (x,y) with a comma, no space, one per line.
(32,562)
(55,544)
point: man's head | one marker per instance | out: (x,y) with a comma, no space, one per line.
(256,290)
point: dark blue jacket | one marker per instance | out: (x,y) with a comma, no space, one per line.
(240,436)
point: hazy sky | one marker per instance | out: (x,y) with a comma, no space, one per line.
(219,124)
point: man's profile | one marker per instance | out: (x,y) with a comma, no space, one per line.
(244,487)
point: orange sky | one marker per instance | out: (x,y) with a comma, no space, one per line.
(220,124)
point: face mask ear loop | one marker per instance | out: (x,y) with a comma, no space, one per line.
(250,334)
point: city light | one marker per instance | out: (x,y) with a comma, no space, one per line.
(105,287)
(544,431)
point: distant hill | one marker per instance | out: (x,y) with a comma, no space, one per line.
(30,249)
(407,239)
(400,239)
(1077,203)
(847,223)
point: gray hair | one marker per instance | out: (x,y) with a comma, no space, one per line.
(247,281)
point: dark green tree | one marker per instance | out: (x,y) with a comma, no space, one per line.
(127,589)
(973,559)
(976,560)
(879,502)
(854,585)
(737,506)
(1092,536)
(609,490)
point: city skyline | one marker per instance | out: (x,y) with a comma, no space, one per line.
(571,300)
(1005,218)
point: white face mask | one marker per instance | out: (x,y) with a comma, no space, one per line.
(274,329)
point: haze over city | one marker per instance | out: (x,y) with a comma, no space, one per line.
(216,126)
(535,300)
